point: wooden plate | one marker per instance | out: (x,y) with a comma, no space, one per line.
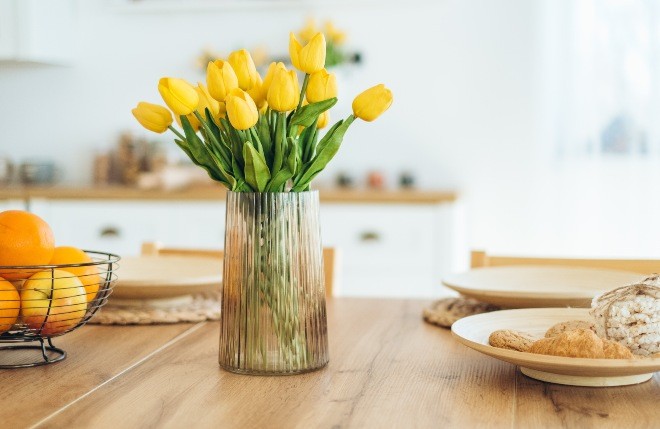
(473,331)
(153,277)
(538,286)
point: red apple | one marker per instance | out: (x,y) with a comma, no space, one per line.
(61,292)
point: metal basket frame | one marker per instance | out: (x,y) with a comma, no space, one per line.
(21,332)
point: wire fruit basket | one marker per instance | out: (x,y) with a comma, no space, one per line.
(51,302)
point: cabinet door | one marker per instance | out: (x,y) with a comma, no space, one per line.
(122,226)
(386,250)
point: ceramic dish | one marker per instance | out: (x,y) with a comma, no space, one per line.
(538,286)
(154,277)
(473,331)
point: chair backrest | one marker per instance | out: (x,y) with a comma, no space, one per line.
(330,259)
(643,266)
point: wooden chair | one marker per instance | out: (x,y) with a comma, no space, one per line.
(480,259)
(330,259)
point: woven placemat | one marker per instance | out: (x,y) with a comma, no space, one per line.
(446,311)
(201,308)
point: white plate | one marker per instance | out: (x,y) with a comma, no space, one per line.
(538,286)
(153,277)
(473,331)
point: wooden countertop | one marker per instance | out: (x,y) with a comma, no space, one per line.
(387,369)
(213,193)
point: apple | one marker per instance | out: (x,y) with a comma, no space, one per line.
(57,290)
(10,305)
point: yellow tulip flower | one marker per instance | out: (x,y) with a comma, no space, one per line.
(221,79)
(311,57)
(257,93)
(370,104)
(242,63)
(179,95)
(152,116)
(222,111)
(308,31)
(284,93)
(323,120)
(206,101)
(334,34)
(321,86)
(241,109)
(270,74)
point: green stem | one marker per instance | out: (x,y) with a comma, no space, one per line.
(178,134)
(302,92)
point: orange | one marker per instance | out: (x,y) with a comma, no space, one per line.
(25,239)
(88,275)
(10,305)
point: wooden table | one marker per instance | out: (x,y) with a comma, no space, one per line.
(387,369)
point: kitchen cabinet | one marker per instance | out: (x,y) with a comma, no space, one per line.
(389,249)
(12,204)
(37,31)
(389,243)
(122,226)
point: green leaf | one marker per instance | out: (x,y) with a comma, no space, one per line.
(203,157)
(264,136)
(308,143)
(326,150)
(308,115)
(257,174)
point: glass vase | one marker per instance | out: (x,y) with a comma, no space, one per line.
(273,315)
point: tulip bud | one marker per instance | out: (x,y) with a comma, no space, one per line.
(257,93)
(221,79)
(370,104)
(152,116)
(321,86)
(310,58)
(242,63)
(241,109)
(323,120)
(284,93)
(179,95)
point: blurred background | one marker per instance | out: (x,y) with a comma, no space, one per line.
(540,115)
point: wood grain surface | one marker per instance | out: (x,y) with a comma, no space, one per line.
(387,369)
(96,354)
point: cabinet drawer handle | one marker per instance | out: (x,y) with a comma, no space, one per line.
(110,231)
(369,236)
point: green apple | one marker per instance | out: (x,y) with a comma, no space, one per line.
(52,302)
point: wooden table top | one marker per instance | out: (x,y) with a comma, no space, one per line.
(387,369)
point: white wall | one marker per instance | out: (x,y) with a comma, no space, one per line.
(465,75)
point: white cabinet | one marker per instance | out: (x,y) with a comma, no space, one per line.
(389,249)
(385,249)
(122,226)
(37,31)
(12,205)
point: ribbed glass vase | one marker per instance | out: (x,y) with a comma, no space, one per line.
(273,316)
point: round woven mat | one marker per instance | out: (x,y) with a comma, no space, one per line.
(201,308)
(446,311)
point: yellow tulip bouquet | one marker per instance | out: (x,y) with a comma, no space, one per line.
(260,135)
